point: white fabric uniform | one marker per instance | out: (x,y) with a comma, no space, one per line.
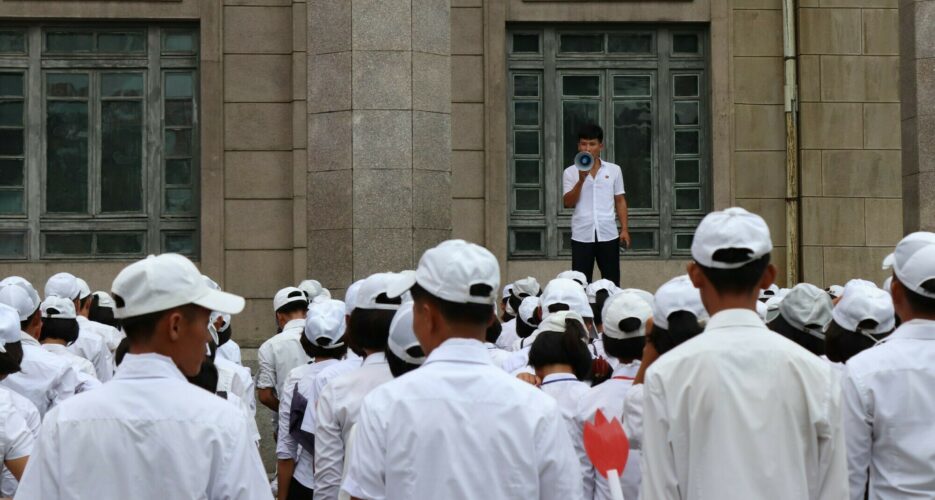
(568,391)
(338,406)
(92,346)
(497,356)
(236,379)
(149,422)
(889,414)
(252,430)
(507,335)
(460,428)
(633,416)
(87,377)
(595,210)
(740,412)
(346,365)
(30,414)
(301,378)
(111,335)
(279,355)
(230,351)
(44,378)
(16,440)
(610,398)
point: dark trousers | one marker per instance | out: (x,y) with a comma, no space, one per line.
(298,492)
(607,254)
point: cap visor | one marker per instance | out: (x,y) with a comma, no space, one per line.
(219,301)
(401,284)
(888,261)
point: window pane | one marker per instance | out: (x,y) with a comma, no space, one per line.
(12,41)
(67,84)
(686,142)
(527,200)
(67,157)
(11,202)
(121,85)
(178,41)
(685,85)
(685,43)
(69,42)
(633,139)
(178,172)
(178,85)
(526,86)
(527,171)
(566,241)
(686,113)
(11,84)
(581,85)
(12,245)
(630,43)
(582,43)
(11,113)
(635,85)
(684,241)
(686,172)
(525,43)
(526,142)
(120,42)
(68,243)
(687,199)
(178,142)
(574,115)
(11,141)
(179,113)
(121,156)
(11,172)
(119,243)
(183,243)
(178,201)
(526,113)
(528,241)
(642,240)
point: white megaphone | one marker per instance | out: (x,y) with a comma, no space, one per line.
(584,161)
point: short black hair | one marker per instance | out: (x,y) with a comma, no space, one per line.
(399,367)
(454,312)
(494,331)
(918,302)
(683,325)
(11,359)
(25,323)
(316,351)
(842,344)
(295,305)
(207,377)
(624,349)
(523,330)
(741,280)
(567,348)
(369,328)
(59,328)
(810,342)
(141,328)
(597,308)
(122,349)
(83,302)
(100,314)
(591,131)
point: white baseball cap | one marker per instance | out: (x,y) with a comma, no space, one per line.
(888,285)
(527,310)
(63,285)
(555,322)
(625,305)
(57,308)
(772,304)
(762,309)
(601,284)
(374,292)
(643,294)
(862,301)
(576,276)
(288,295)
(25,285)
(403,337)
(350,297)
(312,288)
(568,292)
(766,293)
(914,263)
(18,298)
(161,282)
(9,326)
(210,282)
(225,317)
(731,228)
(104,299)
(807,308)
(677,294)
(84,291)
(835,291)
(456,271)
(325,324)
(526,287)
(506,291)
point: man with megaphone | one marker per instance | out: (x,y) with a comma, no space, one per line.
(594,188)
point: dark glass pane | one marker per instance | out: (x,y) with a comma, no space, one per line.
(178,41)
(11,84)
(684,241)
(69,42)
(178,142)
(121,42)
(528,241)
(68,243)
(12,245)
(525,43)
(642,240)
(121,156)
(12,41)
(183,243)
(11,113)
(67,84)
(574,115)
(686,85)
(633,150)
(685,43)
(526,113)
(566,241)
(686,142)
(686,171)
(527,200)
(11,172)
(526,142)
(67,157)
(527,171)
(686,113)
(687,199)
(11,202)
(179,201)
(582,43)
(179,113)
(178,85)
(630,43)
(633,85)
(581,85)
(11,141)
(526,86)
(178,172)
(119,243)
(121,85)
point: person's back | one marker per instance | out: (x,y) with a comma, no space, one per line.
(44,378)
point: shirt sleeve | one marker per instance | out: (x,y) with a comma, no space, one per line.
(366,475)
(658,460)
(104,362)
(286,447)
(240,475)
(329,448)
(559,468)
(17,439)
(266,373)
(832,452)
(249,391)
(633,416)
(64,387)
(41,479)
(587,470)
(858,423)
(618,183)
(569,179)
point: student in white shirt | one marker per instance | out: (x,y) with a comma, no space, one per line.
(508,312)
(149,421)
(521,289)
(207,379)
(804,313)
(101,312)
(458,427)
(598,293)
(889,406)
(90,344)
(30,414)
(313,290)
(282,352)
(110,335)
(59,330)
(16,439)
(861,319)
(228,348)
(740,412)
(403,351)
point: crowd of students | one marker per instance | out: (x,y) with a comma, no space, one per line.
(432,384)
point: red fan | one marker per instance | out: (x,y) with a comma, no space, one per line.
(608,448)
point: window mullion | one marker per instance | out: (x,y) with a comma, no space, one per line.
(664,152)
(95,103)
(35,140)
(153,154)
(551,166)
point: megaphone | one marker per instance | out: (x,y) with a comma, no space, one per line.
(584,161)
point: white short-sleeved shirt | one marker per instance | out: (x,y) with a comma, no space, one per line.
(30,414)
(236,379)
(301,379)
(44,378)
(87,377)
(568,391)
(279,355)
(596,210)
(111,335)
(507,335)
(497,356)
(230,351)
(346,365)
(460,428)
(92,346)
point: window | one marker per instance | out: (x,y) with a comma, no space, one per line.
(98,141)
(647,88)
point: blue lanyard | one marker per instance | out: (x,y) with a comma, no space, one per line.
(572,379)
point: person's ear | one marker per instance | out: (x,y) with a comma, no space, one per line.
(696,275)
(175,325)
(769,277)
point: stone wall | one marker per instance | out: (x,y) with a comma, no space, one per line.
(917,83)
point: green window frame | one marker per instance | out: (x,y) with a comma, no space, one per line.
(101,131)
(647,86)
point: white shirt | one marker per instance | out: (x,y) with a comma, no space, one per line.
(301,379)
(146,427)
(16,441)
(279,355)
(236,379)
(92,346)
(497,356)
(111,335)
(346,365)
(230,351)
(87,377)
(30,414)
(633,416)
(252,430)
(596,209)
(568,391)
(507,335)
(461,428)
(338,407)
(889,414)
(740,412)
(44,378)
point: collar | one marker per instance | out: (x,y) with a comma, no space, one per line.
(490,346)
(917,329)
(460,350)
(82,320)
(148,365)
(375,358)
(730,318)
(28,339)
(559,377)
(295,323)
(55,348)
(626,371)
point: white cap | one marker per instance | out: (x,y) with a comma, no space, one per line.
(225,317)
(402,336)
(766,293)
(730,228)
(350,297)
(625,305)
(210,282)
(57,308)
(762,309)
(835,291)
(527,309)
(9,326)
(456,271)
(104,299)
(17,298)
(526,287)
(601,284)
(914,262)
(506,291)
(576,276)
(772,305)
(568,292)
(312,288)
(158,283)
(84,291)
(63,285)
(325,324)
(288,295)
(375,286)
(862,302)
(677,294)
(888,285)
(647,296)
(555,322)
(25,285)
(807,308)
